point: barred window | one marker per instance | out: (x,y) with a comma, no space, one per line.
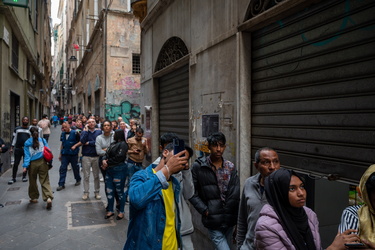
(136,64)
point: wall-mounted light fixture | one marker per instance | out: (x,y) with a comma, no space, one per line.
(73,59)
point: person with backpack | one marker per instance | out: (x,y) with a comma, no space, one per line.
(37,166)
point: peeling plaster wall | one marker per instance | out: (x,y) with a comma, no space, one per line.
(123,87)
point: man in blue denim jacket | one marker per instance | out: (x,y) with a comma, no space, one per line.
(153,194)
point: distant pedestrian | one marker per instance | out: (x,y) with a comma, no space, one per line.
(114,125)
(137,151)
(55,120)
(122,126)
(133,129)
(34,123)
(20,135)
(116,171)
(38,167)
(45,125)
(90,159)
(70,139)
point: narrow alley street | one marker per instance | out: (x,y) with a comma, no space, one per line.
(71,223)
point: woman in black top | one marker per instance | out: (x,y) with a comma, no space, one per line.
(116,171)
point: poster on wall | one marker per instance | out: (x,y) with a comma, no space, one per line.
(210,124)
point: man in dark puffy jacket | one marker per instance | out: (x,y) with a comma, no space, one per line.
(217,192)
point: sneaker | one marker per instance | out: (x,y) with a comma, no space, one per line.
(49,203)
(59,188)
(24,179)
(77,183)
(11,181)
(33,200)
(85,197)
(97,196)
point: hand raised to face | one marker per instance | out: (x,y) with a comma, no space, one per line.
(177,162)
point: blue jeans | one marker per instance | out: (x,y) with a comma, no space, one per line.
(65,160)
(115,183)
(132,168)
(221,237)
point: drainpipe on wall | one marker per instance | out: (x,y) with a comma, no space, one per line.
(105,56)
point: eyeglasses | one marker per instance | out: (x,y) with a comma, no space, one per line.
(268,162)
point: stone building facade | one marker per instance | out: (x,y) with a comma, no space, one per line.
(25,68)
(294,75)
(103,59)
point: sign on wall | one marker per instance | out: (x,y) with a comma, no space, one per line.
(17,3)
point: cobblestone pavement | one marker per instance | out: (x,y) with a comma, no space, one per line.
(71,223)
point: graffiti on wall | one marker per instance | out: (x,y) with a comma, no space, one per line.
(126,110)
(127,82)
(6,133)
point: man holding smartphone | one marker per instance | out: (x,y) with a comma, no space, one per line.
(154,192)
(186,187)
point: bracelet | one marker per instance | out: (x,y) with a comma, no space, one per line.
(169,173)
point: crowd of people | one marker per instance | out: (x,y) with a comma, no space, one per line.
(269,213)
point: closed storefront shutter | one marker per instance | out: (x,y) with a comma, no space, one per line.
(174,103)
(313,88)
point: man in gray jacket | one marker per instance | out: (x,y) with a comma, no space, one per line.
(187,190)
(253,197)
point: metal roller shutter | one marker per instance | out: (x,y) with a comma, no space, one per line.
(313,88)
(174,103)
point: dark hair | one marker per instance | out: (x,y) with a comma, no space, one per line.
(119,135)
(169,147)
(215,138)
(370,183)
(110,123)
(44,116)
(35,135)
(139,130)
(167,138)
(257,153)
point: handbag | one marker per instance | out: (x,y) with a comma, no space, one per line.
(47,153)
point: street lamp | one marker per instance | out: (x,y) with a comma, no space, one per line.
(73,59)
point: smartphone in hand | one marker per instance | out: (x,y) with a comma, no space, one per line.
(358,245)
(178,146)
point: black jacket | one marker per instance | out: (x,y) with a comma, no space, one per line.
(116,153)
(5,148)
(221,214)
